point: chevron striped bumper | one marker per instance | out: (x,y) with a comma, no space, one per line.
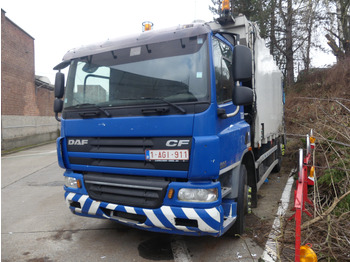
(167,219)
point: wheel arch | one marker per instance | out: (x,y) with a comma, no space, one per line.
(231,177)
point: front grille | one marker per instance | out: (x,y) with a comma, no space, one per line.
(109,145)
(145,192)
(122,152)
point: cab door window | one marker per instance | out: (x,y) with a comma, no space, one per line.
(222,57)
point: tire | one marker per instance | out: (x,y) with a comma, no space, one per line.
(242,204)
(277,168)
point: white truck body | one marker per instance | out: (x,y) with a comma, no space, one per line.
(267,81)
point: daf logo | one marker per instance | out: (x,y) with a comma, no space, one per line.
(174,143)
(77,142)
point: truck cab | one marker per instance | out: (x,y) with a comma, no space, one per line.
(158,130)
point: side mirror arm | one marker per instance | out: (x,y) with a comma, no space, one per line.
(57,118)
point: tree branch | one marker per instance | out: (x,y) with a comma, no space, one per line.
(335,48)
(326,213)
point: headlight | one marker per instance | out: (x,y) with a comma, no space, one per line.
(198,195)
(72,182)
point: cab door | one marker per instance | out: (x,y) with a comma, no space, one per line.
(233,132)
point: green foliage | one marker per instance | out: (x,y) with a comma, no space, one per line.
(331,174)
(343,206)
(338,177)
(257,11)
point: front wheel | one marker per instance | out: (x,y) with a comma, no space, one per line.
(277,167)
(242,204)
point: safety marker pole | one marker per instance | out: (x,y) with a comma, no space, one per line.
(298,205)
(300,194)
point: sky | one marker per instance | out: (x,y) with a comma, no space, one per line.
(58,26)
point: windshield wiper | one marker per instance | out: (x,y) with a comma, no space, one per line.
(87,105)
(182,110)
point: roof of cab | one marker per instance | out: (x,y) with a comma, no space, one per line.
(148,37)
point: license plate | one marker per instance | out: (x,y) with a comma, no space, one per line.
(167,155)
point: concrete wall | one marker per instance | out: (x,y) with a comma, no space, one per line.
(19,131)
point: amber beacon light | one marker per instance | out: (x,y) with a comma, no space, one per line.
(225,5)
(147,26)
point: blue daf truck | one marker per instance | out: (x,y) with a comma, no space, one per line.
(170,130)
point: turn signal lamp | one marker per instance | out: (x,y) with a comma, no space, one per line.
(147,26)
(225,5)
(72,182)
(171,193)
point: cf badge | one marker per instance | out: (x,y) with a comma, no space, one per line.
(176,143)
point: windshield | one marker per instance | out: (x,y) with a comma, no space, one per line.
(174,71)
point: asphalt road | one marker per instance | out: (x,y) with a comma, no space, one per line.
(36,224)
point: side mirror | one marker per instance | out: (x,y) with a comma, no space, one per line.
(242,63)
(242,96)
(59,93)
(58,105)
(57,108)
(59,85)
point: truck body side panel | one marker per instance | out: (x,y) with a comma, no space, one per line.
(269,96)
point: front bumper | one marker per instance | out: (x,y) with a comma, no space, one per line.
(167,219)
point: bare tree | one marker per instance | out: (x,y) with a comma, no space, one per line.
(339,36)
(312,18)
(289,26)
(308,19)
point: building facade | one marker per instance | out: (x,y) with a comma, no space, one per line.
(26,101)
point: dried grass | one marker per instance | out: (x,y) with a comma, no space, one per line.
(321,101)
